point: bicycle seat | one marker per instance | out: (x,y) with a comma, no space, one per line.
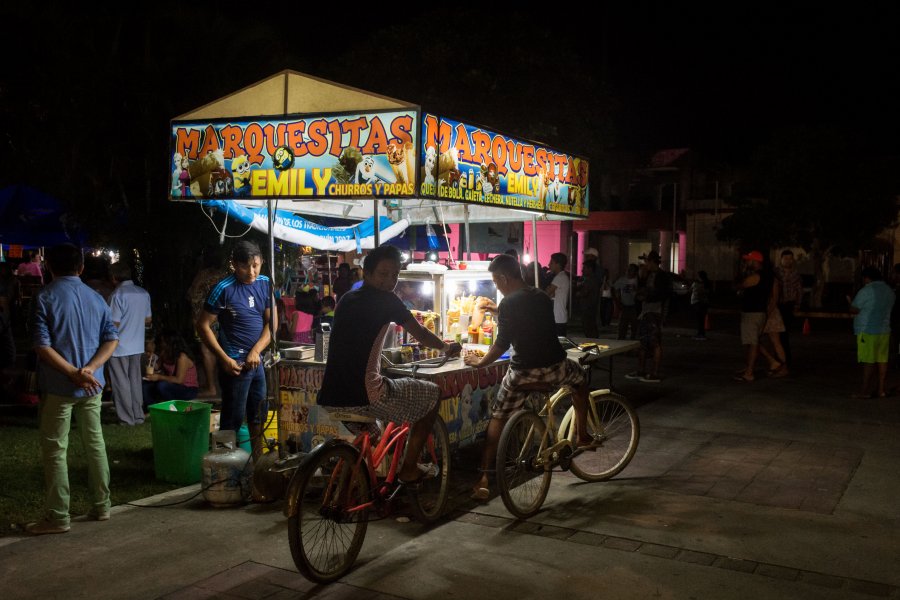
(342,415)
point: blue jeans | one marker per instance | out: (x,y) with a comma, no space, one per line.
(243,396)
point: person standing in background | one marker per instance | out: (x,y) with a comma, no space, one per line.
(700,302)
(73,334)
(625,289)
(343,282)
(559,291)
(210,273)
(791,294)
(242,303)
(589,296)
(606,298)
(872,326)
(131,314)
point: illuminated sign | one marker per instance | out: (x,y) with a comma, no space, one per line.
(305,157)
(464,163)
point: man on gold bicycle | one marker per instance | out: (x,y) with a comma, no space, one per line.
(526,323)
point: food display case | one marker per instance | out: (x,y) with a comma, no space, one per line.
(447,297)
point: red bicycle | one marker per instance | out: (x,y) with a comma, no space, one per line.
(337,486)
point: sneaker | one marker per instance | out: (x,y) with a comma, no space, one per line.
(635,375)
(45,527)
(99,515)
(651,379)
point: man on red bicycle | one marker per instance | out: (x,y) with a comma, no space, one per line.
(527,324)
(353,381)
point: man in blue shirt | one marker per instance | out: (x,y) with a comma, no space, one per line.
(130,308)
(242,304)
(872,326)
(73,335)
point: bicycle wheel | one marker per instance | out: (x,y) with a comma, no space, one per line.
(523,485)
(326,534)
(616,430)
(429,500)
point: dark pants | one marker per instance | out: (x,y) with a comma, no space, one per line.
(589,321)
(243,396)
(787,315)
(700,309)
(628,318)
(561,329)
(606,310)
(161,391)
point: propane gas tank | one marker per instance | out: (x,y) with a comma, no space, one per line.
(227,471)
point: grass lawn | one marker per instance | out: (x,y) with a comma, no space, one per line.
(130,451)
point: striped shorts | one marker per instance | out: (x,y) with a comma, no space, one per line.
(510,398)
(404,400)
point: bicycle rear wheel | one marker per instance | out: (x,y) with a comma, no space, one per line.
(616,430)
(429,499)
(523,484)
(326,533)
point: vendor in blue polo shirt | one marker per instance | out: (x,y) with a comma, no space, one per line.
(242,305)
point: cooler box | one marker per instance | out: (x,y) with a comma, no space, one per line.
(180,430)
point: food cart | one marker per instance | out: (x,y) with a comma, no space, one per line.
(330,150)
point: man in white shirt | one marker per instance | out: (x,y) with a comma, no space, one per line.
(559,291)
(130,308)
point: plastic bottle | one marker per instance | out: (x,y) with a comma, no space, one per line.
(454,332)
(487,328)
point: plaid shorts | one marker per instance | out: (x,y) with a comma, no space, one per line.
(510,399)
(404,400)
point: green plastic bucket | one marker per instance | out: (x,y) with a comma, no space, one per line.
(180,430)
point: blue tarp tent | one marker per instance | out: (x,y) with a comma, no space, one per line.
(32,218)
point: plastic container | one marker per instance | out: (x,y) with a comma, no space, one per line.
(180,439)
(243,438)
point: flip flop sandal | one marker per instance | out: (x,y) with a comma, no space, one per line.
(481,494)
(743,379)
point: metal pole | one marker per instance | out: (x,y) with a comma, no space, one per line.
(466,218)
(534,249)
(672,257)
(272,315)
(571,276)
(377,224)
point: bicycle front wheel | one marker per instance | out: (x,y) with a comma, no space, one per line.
(523,484)
(328,529)
(616,431)
(429,499)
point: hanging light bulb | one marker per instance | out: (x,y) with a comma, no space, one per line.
(526,259)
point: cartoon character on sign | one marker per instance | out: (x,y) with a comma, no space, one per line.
(400,155)
(488,178)
(553,190)
(468,413)
(283,159)
(430,164)
(220,183)
(448,168)
(365,171)
(240,170)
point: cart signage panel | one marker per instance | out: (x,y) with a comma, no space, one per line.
(466,163)
(307,157)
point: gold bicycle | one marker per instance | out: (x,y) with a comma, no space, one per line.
(532,445)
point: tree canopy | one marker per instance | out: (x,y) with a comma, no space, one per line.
(815,188)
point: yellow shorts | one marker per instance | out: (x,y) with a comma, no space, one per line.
(872,348)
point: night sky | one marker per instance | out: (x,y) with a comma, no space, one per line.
(625,80)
